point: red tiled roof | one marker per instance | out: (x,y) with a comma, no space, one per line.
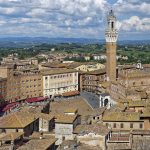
(9,106)
(71,93)
(36,99)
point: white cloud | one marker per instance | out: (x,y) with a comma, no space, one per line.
(37,12)
(70,18)
(145,8)
(2,22)
(133,6)
(7,10)
(135,23)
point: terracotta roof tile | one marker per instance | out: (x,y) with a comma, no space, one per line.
(11,136)
(122,116)
(94,128)
(17,120)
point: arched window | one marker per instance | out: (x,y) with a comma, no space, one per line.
(105,102)
(112,25)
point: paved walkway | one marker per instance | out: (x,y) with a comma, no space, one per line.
(91,98)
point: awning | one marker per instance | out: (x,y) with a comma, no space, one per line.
(36,99)
(71,93)
(9,106)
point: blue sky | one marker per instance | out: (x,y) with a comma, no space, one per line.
(73,18)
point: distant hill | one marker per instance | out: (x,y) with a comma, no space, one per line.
(31,41)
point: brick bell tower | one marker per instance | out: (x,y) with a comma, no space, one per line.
(111,35)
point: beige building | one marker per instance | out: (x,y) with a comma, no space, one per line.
(89,81)
(131,84)
(87,58)
(9,59)
(19,64)
(57,82)
(86,67)
(135,106)
(19,122)
(46,122)
(34,61)
(64,127)
(21,84)
(124,121)
(3,82)
(92,135)
(30,84)
(96,115)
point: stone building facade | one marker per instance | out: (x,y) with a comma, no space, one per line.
(64,127)
(46,122)
(90,81)
(88,67)
(3,82)
(94,135)
(130,84)
(125,121)
(23,122)
(21,84)
(56,82)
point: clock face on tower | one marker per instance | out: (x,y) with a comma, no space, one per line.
(111,33)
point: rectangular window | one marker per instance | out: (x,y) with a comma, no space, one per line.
(141,125)
(114,125)
(121,126)
(131,125)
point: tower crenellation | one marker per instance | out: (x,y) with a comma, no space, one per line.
(111,33)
